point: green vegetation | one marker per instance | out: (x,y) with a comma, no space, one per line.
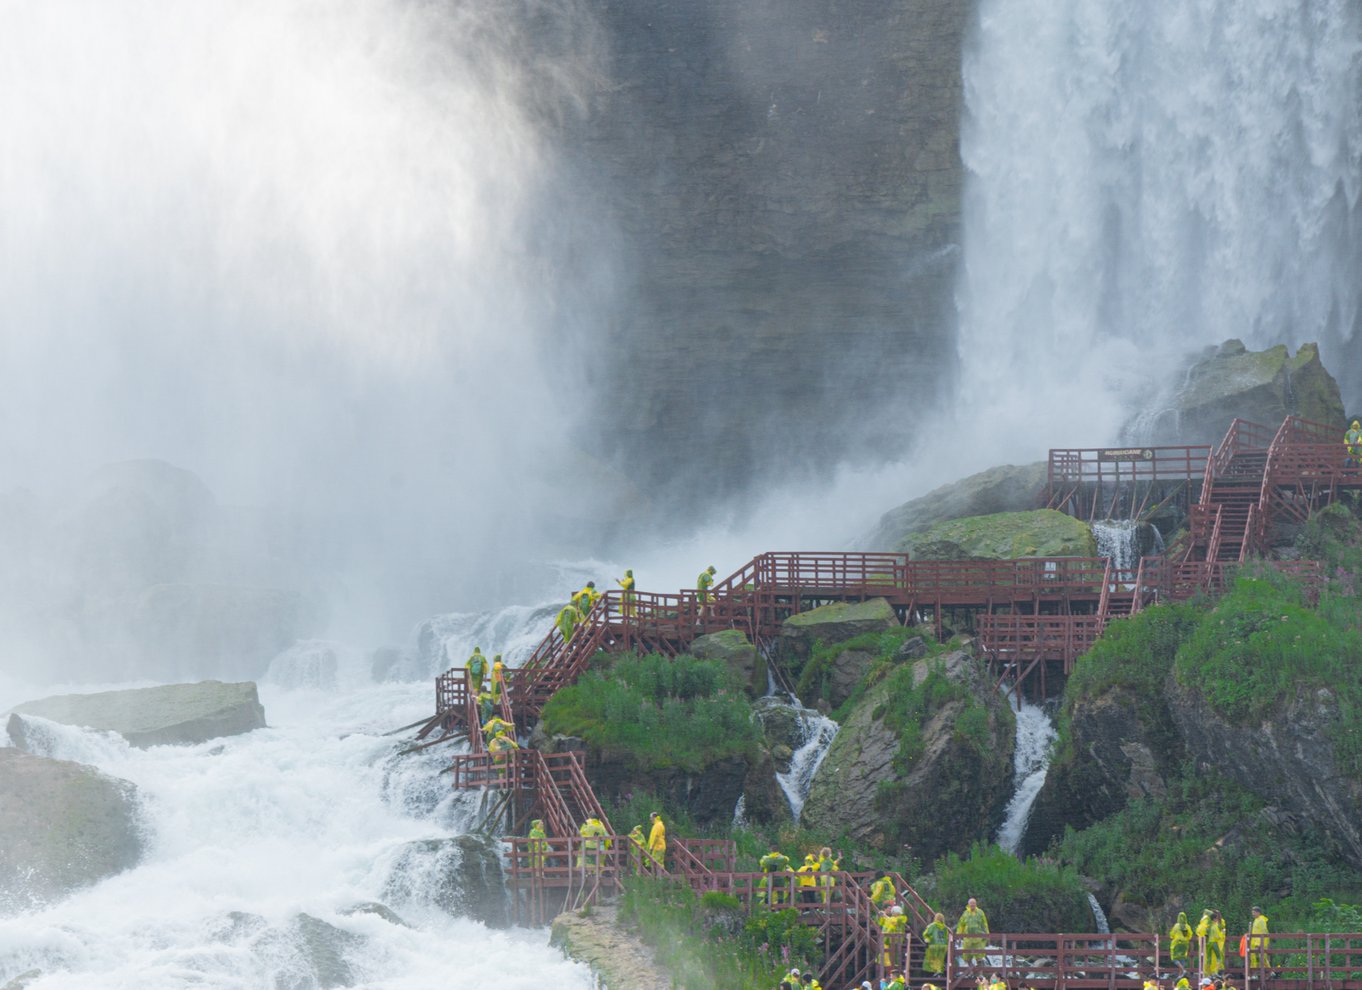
(909,702)
(816,672)
(657,712)
(709,942)
(1017,896)
(1210,844)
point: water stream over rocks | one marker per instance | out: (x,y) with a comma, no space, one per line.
(1031,760)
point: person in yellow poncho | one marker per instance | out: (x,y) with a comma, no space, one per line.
(1179,939)
(1211,931)
(973,922)
(538,844)
(627,594)
(937,937)
(637,849)
(883,892)
(893,924)
(1258,941)
(657,840)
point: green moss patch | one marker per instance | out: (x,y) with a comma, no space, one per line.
(1003,536)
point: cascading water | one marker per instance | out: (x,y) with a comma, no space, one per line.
(1099,917)
(267,852)
(1143,179)
(819,732)
(1118,540)
(1030,761)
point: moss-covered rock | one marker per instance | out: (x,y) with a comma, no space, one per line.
(1003,536)
(1230,381)
(834,623)
(924,760)
(1007,488)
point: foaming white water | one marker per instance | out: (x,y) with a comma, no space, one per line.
(244,834)
(1030,761)
(1117,539)
(1144,179)
(816,733)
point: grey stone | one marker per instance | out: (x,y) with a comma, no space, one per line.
(831,624)
(1288,760)
(460,875)
(172,714)
(63,826)
(912,649)
(1007,488)
(1228,382)
(323,947)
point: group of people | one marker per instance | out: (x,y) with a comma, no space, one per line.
(1210,944)
(572,615)
(812,880)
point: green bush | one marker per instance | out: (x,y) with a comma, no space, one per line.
(1016,895)
(699,948)
(908,705)
(1261,645)
(816,673)
(658,712)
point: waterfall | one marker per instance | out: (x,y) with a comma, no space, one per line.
(1031,759)
(810,737)
(1099,917)
(1144,179)
(1118,539)
(818,733)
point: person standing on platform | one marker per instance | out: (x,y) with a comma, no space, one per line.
(1179,940)
(973,922)
(937,938)
(657,840)
(1258,941)
(539,844)
(702,585)
(477,670)
(626,583)
(1352,444)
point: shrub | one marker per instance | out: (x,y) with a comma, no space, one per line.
(1016,895)
(658,712)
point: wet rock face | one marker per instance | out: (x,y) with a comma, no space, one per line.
(831,624)
(1288,760)
(169,715)
(461,875)
(953,792)
(784,180)
(1121,748)
(734,649)
(63,826)
(1037,533)
(1007,488)
(1230,381)
(709,796)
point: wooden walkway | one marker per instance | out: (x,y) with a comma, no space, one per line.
(1029,615)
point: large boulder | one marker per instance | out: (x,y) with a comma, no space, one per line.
(1289,759)
(461,875)
(1007,488)
(172,714)
(831,624)
(63,826)
(937,783)
(1230,381)
(734,648)
(1004,536)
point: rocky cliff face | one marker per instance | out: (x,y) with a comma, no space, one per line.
(784,181)
(1288,760)
(1230,381)
(1120,747)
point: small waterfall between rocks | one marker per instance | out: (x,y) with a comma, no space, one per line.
(1099,917)
(819,732)
(810,740)
(1031,760)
